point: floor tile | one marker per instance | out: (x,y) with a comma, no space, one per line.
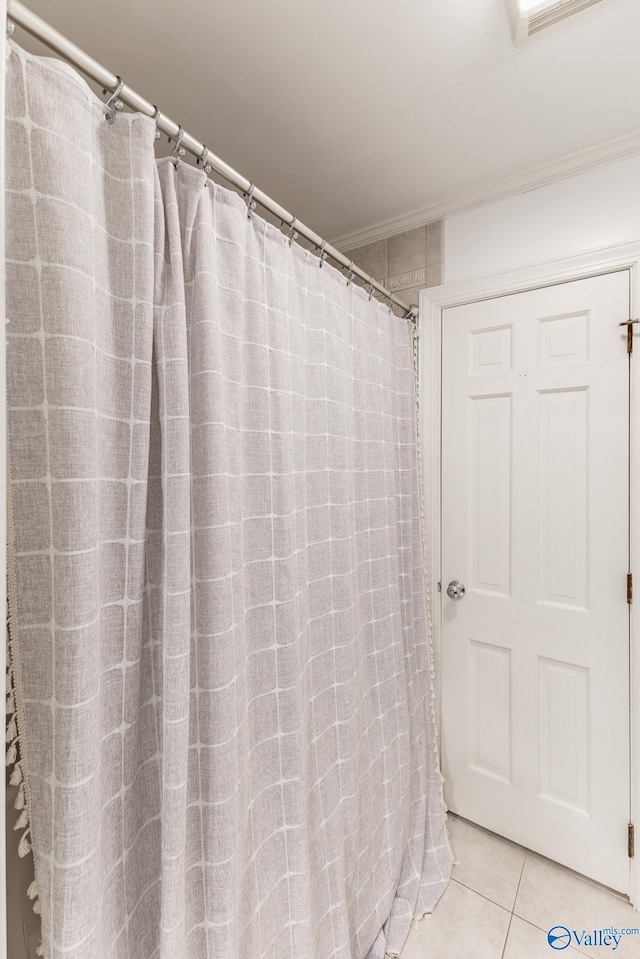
(464,925)
(550,895)
(488,864)
(528,942)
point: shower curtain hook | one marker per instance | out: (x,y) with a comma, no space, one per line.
(293,233)
(251,203)
(156,114)
(350,274)
(323,255)
(113,104)
(178,152)
(203,160)
(370,289)
(11,28)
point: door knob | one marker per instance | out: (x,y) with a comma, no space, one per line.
(455,589)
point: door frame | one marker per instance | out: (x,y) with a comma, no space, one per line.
(432,302)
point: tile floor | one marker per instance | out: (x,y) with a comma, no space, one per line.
(502,900)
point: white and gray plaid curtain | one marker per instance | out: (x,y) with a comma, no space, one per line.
(220,654)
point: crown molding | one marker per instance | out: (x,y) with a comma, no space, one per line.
(567,166)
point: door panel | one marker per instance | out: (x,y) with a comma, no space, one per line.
(535,656)
(490,493)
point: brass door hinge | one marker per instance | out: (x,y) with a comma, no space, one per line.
(629,588)
(629,326)
(630,840)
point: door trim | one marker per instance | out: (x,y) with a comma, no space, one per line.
(432,302)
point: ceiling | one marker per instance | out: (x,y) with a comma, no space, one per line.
(352,113)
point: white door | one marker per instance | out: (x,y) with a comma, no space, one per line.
(535,524)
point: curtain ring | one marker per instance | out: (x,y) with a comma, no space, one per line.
(178,152)
(156,114)
(251,203)
(293,233)
(203,160)
(113,104)
(323,255)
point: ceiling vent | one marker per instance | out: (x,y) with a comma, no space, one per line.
(530,18)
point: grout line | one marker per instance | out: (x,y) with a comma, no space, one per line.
(482,895)
(515,898)
(506,938)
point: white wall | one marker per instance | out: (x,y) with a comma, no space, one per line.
(3,496)
(597,209)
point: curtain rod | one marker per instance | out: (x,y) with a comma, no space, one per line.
(41,30)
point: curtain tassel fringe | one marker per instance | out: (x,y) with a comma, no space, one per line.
(16,775)
(12,754)
(24,846)
(22,821)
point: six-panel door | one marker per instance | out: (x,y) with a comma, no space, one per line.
(535,521)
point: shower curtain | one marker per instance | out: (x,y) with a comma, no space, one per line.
(223,730)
